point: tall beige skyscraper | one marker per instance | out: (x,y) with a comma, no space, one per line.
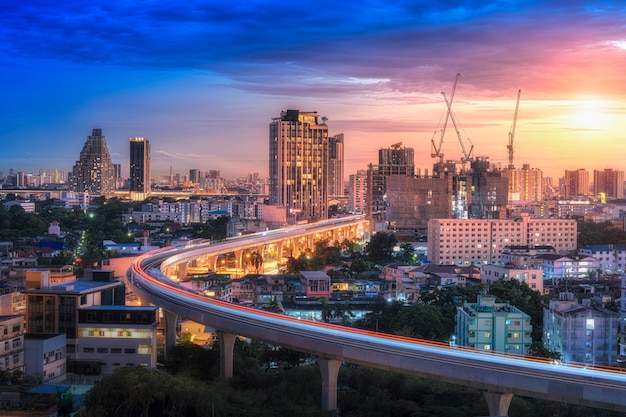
(94,172)
(298,168)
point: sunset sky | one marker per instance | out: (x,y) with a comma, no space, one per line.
(202,79)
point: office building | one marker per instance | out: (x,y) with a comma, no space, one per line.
(580,332)
(498,327)
(93,173)
(114,336)
(335,165)
(608,183)
(476,241)
(298,165)
(139,168)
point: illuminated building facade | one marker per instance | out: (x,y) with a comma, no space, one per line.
(94,172)
(477,241)
(298,167)
(139,168)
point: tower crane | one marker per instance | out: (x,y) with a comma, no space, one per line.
(512,131)
(467,156)
(436,152)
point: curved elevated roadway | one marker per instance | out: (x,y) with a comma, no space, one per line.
(500,376)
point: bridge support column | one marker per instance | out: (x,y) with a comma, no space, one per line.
(227,345)
(170,331)
(330,370)
(498,403)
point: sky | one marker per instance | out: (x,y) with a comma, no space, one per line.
(201,80)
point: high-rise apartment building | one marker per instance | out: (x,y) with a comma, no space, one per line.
(357,192)
(525,184)
(608,182)
(93,172)
(576,183)
(335,165)
(139,168)
(298,168)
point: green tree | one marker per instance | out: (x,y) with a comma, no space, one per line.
(380,247)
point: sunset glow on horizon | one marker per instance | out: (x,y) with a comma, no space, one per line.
(202,80)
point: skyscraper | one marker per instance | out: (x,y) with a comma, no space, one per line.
(139,168)
(298,168)
(335,166)
(93,172)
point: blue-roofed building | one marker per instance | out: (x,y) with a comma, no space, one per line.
(54,308)
(611,258)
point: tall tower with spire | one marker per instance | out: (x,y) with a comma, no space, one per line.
(94,172)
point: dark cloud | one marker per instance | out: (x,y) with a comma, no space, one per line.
(260,45)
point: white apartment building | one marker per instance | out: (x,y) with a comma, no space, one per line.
(12,343)
(579,332)
(498,327)
(474,241)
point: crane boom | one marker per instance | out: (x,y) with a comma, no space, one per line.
(512,131)
(467,156)
(436,152)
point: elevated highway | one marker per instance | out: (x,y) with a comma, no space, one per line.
(500,376)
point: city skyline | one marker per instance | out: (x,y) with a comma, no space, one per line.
(195,79)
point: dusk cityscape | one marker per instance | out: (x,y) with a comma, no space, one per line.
(356,209)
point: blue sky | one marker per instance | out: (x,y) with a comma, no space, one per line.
(202,79)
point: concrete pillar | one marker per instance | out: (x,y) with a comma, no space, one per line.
(171,320)
(182,270)
(330,370)
(498,403)
(227,345)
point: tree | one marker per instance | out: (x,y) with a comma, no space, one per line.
(327,310)
(380,247)
(344,312)
(406,252)
(256,260)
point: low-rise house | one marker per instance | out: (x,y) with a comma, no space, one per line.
(572,266)
(533,277)
(580,332)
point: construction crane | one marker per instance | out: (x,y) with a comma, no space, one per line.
(512,131)
(436,152)
(467,156)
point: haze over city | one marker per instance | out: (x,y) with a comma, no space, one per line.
(202,80)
